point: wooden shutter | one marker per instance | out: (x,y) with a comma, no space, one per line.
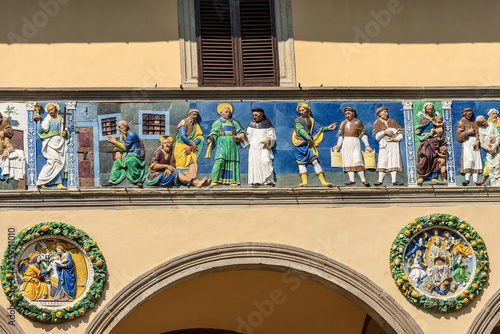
(236,43)
(258,43)
(216,66)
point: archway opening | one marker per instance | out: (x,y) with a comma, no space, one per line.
(248,301)
(314,267)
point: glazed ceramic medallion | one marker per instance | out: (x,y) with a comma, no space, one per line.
(53,272)
(439,262)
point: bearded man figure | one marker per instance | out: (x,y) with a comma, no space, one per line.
(129,155)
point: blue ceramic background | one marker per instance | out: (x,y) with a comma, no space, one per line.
(281,114)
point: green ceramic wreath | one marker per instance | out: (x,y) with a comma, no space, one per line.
(53,272)
(439,262)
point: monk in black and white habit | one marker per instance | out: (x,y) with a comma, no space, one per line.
(261,137)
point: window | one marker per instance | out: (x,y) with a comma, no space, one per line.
(153,124)
(109,126)
(236,43)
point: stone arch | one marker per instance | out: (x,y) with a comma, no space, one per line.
(258,256)
(487,317)
(7,324)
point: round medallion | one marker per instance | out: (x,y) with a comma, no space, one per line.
(53,272)
(439,262)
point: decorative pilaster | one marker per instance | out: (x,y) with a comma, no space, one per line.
(31,174)
(187,42)
(72,147)
(410,144)
(284,37)
(448,131)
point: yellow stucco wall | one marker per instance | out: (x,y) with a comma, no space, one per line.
(396,43)
(135,241)
(63,43)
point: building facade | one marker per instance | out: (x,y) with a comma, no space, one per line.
(246,258)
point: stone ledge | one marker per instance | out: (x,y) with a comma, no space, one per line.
(335,197)
(133,94)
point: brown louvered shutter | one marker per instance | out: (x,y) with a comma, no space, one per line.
(216,66)
(236,43)
(258,43)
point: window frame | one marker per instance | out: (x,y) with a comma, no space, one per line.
(284,39)
(241,50)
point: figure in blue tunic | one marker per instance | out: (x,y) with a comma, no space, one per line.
(307,135)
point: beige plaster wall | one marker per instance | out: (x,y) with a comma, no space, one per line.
(113,43)
(126,43)
(396,43)
(135,241)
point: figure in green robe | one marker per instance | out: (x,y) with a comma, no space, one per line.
(129,161)
(225,135)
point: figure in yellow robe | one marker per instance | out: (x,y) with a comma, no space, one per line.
(32,285)
(188,143)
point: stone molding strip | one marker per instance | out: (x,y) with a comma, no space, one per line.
(7,328)
(258,256)
(134,94)
(335,197)
(488,316)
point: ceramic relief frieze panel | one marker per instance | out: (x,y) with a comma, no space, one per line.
(269,144)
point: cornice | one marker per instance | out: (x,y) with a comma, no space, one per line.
(335,197)
(130,94)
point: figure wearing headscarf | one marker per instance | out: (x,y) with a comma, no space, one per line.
(388,133)
(350,133)
(32,285)
(489,138)
(188,142)
(307,135)
(492,118)
(261,136)
(418,272)
(54,147)
(427,156)
(438,266)
(468,135)
(225,135)
(65,268)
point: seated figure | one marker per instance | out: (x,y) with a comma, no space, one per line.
(129,154)
(163,172)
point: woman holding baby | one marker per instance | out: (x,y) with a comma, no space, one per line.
(430,133)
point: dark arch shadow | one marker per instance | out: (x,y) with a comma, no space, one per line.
(258,256)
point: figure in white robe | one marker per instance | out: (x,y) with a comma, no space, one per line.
(489,138)
(467,134)
(388,133)
(261,137)
(418,273)
(350,133)
(438,265)
(54,148)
